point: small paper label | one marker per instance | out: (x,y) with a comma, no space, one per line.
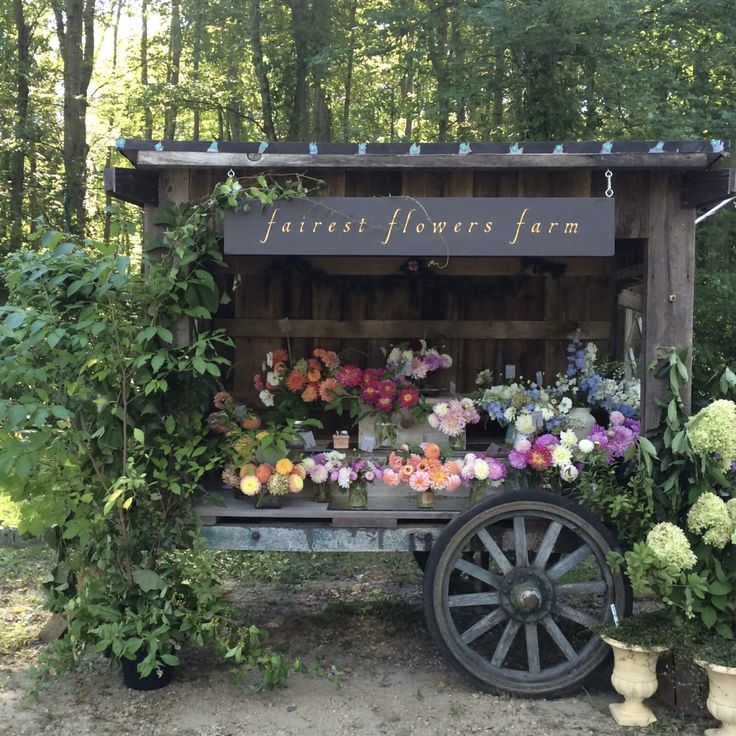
(510,371)
(493,449)
(367,443)
(540,378)
(285,325)
(309,441)
(614,614)
(453,388)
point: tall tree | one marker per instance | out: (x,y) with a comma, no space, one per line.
(172,73)
(259,66)
(147,114)
(75,23)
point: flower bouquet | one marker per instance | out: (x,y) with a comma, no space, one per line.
(415,361)
(352,475)
(268,483)
(480,472)
(451,418)
(424,470)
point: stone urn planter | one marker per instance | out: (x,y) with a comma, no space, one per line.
(635,677)
(721,697)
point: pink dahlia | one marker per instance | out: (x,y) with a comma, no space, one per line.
(546,440)
(496,470)
(391,477)
(539,458)
(385,404)
(419,481)
(387,388)
(349,376)
(408,397)
(369,394)
(518,460)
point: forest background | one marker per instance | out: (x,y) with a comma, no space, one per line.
(75,75)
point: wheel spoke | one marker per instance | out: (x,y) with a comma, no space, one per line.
(559,638)
(504,643)
(547,545)
(522,553)
(485,624)
(473,599)
(494,550)
(588,587)
(532,648)
(575,614)
(569,562)
(476,571)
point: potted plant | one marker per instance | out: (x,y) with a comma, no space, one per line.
(637,643)
(717,656)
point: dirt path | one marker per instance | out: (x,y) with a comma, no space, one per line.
(374,671)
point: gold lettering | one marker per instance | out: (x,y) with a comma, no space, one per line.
(286,227)
(346,227)
(438,227)
(571,228)
(457,227)
(552,226)
(537,227)
(362,223)
(518,226)
(331,227)
(408,217)
(471,226)
(391,226)
(488,226)
(270,225)
(317,223)
(301,226)
(420,227)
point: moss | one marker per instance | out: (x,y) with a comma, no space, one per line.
(647,630)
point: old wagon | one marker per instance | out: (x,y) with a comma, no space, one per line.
(529,243)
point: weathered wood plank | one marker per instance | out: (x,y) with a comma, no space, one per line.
(298,161)
(708,187)
(132,185)
(668,291)
(404,328)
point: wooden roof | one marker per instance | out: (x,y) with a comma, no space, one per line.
(689,154)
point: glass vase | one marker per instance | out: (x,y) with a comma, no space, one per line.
(425,500)
(457,442)
(268,501)
(321,493)
(477,492)
(387,434)
(358,496)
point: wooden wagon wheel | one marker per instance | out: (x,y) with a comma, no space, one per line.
(536,564)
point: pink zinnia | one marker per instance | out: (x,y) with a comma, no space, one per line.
(617,418)
(369,394)
(258,382)
(419,481)
(372,375)
(385,403)
(387,388)
(518,460)
(349,376)
(408,397)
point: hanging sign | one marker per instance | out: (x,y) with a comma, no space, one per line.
(426,226)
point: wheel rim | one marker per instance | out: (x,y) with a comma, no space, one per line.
(534,580)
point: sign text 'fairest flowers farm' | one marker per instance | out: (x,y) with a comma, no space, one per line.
(426,226)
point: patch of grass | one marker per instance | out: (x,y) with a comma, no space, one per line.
(9,515)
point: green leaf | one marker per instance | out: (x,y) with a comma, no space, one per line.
(139,435)
(165,334)
(170,659)
(709,616)
(647,446)
(157,361)
(199,365)
(15,320)
(718,587)
(148,580)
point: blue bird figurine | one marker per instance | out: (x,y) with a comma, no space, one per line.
(313,149)
(120,144)
(159,146)
(213,147)
(659,148)
(464,149)
(415,149)
(717,145)
(262,147)
(559,148)
(607,147)
(516,148)
(361,149)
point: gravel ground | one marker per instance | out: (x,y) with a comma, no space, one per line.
(373,670)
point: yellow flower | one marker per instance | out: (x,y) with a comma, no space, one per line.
(263,433)
(250,485)
(284,466)
(295,483)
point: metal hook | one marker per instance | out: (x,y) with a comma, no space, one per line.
(609,188)
(231,174)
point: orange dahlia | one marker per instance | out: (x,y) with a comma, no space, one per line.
(452,467)
(280,356)
(263,472)
(250,422)
(431,450)
(327,389)
(284,466)
(326,356)
(295,381)
(310,393)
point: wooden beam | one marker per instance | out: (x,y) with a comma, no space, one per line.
(384,329)
(630,299)
(708,187)
(132,185)
(299,161)
(668,290)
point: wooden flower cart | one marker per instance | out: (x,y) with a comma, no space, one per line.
(538,240)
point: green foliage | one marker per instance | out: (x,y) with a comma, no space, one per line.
(646,630)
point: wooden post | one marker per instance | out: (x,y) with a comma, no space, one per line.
(668,293)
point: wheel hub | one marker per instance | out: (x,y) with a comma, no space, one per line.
(527,595)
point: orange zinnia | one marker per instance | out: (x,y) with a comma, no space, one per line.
(310,393)
(295,381)
(423,465)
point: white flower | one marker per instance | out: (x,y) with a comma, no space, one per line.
(480,468)
(343,478)
(569,473)
(565,404)
(525,424)
(273,378)
(469,458)
(441,409)
(269,360)
(433,421)
(308,463)
(561,456)
(266,397)
(586,446)
(466,403)
(569,438)
(509,414)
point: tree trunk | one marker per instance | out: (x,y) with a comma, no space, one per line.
(260,69)
(498,91)
(111,121)
(437,45)
(299,23)
(196,58)
(147,115)
(322,114)
(16,172)
(349,74)
(75,30)
(172,76)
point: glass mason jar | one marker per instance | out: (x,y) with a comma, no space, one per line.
(425,500)
(457,442)
(478,491)
(387,433)
(268,501)
(358,496)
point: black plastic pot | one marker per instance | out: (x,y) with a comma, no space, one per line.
(133,680)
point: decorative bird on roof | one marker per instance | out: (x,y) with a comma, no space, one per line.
(607,147)
(415,149)
(313,150)
(559,148)
(361,149)
(464,149)
(659,148)
(120,144)
(717,145)
(263,145)
(158,146)
(213,147)
(516,148)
